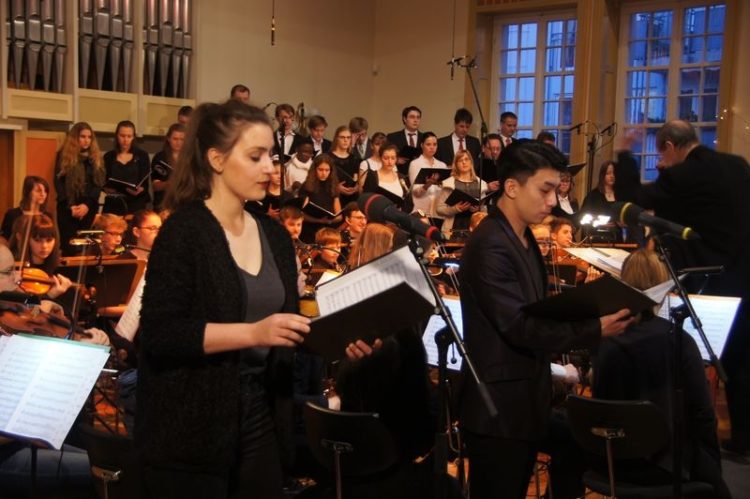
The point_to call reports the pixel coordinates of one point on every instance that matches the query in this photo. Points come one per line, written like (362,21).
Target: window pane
(525,134)
(650,172)
(528,35)
(695,21)
(639,25)
(507,107)
(637,54)
(692,49)
(713,48)
(716,18)
(662,24)
(551,113)
(571,32)
(636,86)
(509,62)
(554,57)
(688,108)
(526,89)
(657,83)
(566,112)
(507,89)
(569,58)
(528,61)
(711,80)
(635,110)
(659,54)
(690,81)
(554,33)
(510,36)
(710,108)
(569,79)
(649,145)
(708,136)
(563,141)
(552,88)
(525,114)
(657,110)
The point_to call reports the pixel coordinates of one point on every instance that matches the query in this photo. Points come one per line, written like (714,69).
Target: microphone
(455,60)
(632,214)
(577,127)
(89,232)
(133,246)
(378,208)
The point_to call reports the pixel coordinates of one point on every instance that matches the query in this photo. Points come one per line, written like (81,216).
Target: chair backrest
(113,453)
(642,426)
(367,446)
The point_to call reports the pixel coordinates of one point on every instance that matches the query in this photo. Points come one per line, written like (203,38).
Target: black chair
(624,430)
(113,463)
(352,444)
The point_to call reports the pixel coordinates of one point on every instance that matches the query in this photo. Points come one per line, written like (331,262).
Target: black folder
(457,196)
(398,201)
(378,316)
(318,211)
(348,180)
(120,185)
(427,172)
(603,296)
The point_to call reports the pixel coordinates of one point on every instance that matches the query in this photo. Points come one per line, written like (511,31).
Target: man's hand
(615,324)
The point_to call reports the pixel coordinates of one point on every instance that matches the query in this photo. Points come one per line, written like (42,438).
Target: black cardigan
(188,402)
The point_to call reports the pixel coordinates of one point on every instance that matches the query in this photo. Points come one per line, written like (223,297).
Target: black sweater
(188,402)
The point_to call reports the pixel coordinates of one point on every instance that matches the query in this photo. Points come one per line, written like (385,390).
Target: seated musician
(114,227)
(65,472)
(328,242)
(543,235)
(145,228)
(354,223)
(43,250)
(561,233)
(291,218)
(636,366)
(34,196)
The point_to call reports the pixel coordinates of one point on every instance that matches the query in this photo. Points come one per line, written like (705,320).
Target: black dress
(161,169)
(89,195)
(347,170)
(133,172)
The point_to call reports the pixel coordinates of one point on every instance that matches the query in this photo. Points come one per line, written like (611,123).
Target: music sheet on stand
(44,383)
(368,280)
(717,315)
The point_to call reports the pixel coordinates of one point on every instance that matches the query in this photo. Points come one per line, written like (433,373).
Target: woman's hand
(273,213)
(348,191)
(135,192)
(615,324)
(98,337)
(463,206)
(282,330)
(79,210)
(60,285)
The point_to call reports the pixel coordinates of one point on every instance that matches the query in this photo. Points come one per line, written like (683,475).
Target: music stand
(115,279)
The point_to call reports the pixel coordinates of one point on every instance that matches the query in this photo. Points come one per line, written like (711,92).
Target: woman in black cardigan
(220,297)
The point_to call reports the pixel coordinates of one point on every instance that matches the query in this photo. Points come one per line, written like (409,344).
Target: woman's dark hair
(523,158)
(124,124)
(167,149)
(387,146)
(42,227)
(29,183)
(330,185)
(603,173)
(212,126)
(426,136)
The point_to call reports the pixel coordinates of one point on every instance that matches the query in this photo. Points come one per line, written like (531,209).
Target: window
(535,77)
(672,71)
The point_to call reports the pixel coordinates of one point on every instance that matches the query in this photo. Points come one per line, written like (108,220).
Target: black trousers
(256,473)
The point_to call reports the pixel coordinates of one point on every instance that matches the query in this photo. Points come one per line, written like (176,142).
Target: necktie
(460,144)
(507,141)
(411,140)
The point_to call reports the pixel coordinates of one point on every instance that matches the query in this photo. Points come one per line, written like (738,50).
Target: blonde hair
(459,155)
(476,219)
(644,269)
(376,240)
(106,221)
(71,159)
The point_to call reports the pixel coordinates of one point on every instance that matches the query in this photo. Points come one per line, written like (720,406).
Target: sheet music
(607,259)
(44,383)
(717,315)
(130,320)
(659,292)
(375,277)
(435,324)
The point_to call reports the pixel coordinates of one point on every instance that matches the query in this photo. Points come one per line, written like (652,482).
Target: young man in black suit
(489,166)
(317,126)
(501,271)
(707,191)
(508,127)
(285,138)
(361,147)
(459,139)
(408,139)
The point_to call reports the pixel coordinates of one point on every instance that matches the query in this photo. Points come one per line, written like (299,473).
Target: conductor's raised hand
(617,323)
(282,330)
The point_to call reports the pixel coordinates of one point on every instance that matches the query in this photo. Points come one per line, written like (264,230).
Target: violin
(30,319)
(562,257)
(37,282)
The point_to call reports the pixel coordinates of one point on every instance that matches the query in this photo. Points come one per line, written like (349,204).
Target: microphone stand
(483,130)
(443,339)
(678,315)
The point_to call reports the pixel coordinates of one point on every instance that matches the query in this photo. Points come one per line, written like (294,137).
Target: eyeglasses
(113,234)
(358,217)
(154,228)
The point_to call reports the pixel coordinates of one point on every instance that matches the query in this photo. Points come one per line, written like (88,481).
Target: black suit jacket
(404,151)
(278,149)
(326,145)
(502,142)
(510,348)
(445,151)
(355,151)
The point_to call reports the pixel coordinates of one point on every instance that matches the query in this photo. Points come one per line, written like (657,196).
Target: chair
(623,430)
(113,462)
(352,444)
